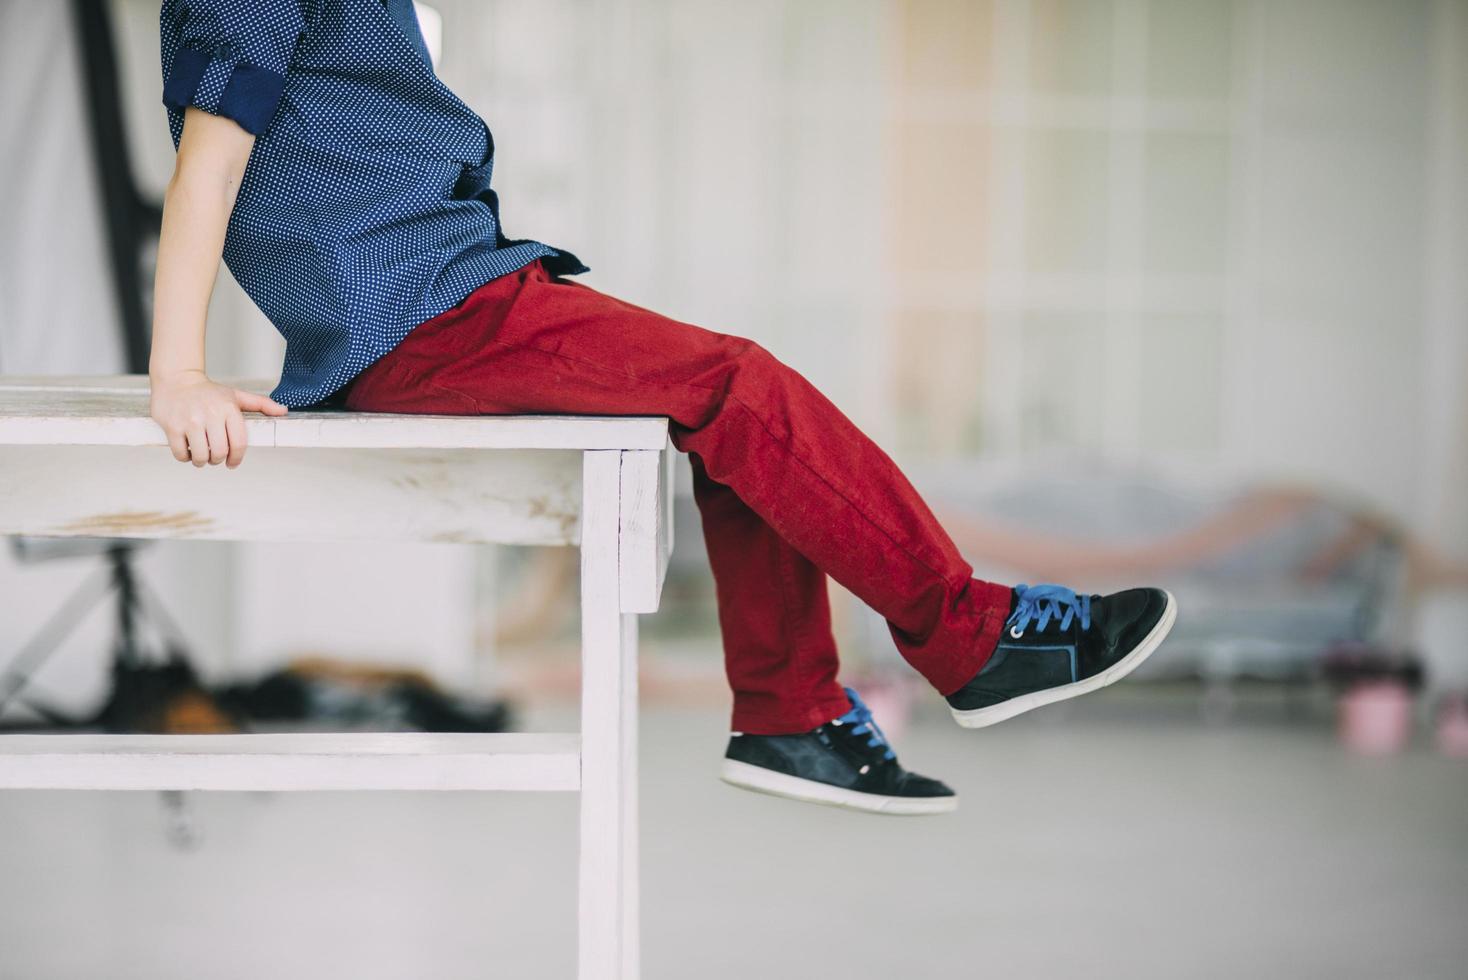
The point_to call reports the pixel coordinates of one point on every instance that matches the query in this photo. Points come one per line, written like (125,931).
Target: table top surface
(113,411)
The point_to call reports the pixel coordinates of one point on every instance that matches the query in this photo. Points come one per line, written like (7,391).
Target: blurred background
(1135,290)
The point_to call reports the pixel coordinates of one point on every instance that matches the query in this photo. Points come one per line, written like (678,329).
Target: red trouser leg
(788,487)
(774,614)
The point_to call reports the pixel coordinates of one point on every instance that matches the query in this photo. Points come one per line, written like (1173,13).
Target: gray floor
(1120,838)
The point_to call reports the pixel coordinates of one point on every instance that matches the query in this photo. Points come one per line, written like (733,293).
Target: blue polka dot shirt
(365,208)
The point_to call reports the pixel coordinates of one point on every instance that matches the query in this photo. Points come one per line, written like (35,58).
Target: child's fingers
(198,445)
(234,428)
(251,402)
(218,442)
(178,444)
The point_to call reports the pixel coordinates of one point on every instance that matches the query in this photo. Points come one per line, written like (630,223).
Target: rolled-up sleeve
(231,57)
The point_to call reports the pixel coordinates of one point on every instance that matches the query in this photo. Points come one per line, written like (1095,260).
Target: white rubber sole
(762,780)
(994,714)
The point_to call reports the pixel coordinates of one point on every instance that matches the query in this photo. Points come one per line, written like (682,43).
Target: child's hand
(202,419)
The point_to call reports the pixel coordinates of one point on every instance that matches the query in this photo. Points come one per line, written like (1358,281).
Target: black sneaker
(1059,645)
(845,762)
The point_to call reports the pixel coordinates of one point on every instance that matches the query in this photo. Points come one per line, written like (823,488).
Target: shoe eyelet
(1016,632)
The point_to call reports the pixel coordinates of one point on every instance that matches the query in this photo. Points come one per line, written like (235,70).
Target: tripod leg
(150,607)
(128,654)
(35,653)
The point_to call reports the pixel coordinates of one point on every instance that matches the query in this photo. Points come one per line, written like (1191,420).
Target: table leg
(608,869)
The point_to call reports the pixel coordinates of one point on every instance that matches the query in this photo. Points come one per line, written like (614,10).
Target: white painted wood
(645,537)
(383,431)
(81,457)
(631,820)
(354,761)
(505,496)
(114,411)
(670,488)
(608,933)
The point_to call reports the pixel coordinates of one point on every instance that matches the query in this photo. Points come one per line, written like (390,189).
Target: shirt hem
(331,395)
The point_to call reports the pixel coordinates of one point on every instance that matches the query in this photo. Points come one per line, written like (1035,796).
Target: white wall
(1328,340)
(1443,502)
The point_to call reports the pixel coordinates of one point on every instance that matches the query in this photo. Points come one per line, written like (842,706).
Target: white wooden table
(79,456)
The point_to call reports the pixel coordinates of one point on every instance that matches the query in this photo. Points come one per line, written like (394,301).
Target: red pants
(788,488)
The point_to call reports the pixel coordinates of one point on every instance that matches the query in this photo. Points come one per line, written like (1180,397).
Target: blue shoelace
(861,716)
(1042,603)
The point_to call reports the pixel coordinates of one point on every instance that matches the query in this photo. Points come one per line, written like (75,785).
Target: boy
(349,192)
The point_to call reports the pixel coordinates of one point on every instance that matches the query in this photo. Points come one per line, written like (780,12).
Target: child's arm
(202,419)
